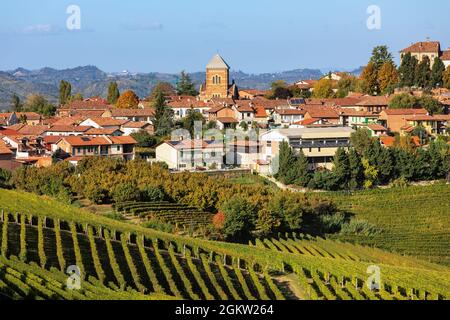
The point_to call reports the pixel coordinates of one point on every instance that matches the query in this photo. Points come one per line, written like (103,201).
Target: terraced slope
(415,220)
(123,256)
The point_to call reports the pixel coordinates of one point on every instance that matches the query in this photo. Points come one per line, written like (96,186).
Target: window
(216,79)
(118,148)
(269,144)
(213,154)
(319,149)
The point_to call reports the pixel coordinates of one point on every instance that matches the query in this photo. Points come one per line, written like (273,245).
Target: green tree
(347,84)
(190,119)
(16,104)
(113,93)
(37,103)
(356,170)
(163,118)
(407,71)
(403,101)
(301,168)
(341,169)
(286,162)
(65,91)
(144,139)
(423,74)
(360,140)
(437,73)
(380,56)
(432,105)
(185,86)
(239,219)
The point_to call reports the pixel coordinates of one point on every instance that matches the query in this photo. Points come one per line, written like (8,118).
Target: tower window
(217,79)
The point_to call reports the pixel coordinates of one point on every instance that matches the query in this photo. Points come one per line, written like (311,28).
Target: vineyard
(179,215)
(40,238)
(415,220)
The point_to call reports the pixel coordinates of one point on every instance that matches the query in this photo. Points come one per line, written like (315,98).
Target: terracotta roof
(322,112)
(343,102)
(62,128)
(98,141)
(88,104)
(356,113)
(227,120)
(428,46)
(195,144)
(373,101)
(387,141)
(8,132)
(260,112)
(33,130)
(101,131)
(69,121)
(269,104)
(307,122)
(420,117)
(29,115)
(145,112)
(399,112)
(51,139)
(3,148)
(136,124)
(87,113)
(446,55)
(289,112)
(376,127)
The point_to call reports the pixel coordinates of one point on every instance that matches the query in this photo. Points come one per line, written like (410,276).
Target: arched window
(216,79)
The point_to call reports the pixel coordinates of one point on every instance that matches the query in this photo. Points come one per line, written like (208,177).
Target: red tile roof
(3,148)
(98,141)
(399,112)
(88,104)
(195,144)
(308,122)
(63,128)
(446,55)
(376,127)
(227,120)
(420,47)
(373,101)
(420,117)
(101,131)
(322,112)
(290,112)
(108,121)
(145,112)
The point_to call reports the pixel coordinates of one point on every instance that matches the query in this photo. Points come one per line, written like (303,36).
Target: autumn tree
(166,88)
(323,89)
(437,73)
(39,104)
(185,86)
(348,83)
(369,77)
(113,93)
(128,100)
(446,78)
(387,77)
(65,91)
(403,101)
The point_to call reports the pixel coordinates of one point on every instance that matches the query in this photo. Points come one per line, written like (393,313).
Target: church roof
(217,62)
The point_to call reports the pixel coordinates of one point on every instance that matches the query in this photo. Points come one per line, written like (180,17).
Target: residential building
(137,115)
(104,123)
(286,117)
(6,157)
(62,130)
(434,125)
(190,154)
(318,144)
(395,119)
(373,103)
(133,127)
(104,146)
(420,50)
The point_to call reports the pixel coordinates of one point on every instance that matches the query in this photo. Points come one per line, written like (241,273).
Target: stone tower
(217,78)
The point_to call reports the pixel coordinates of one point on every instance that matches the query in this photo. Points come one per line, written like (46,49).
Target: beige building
(430,49)
(318,144)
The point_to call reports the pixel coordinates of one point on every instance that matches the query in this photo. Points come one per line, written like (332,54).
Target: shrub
(5,176)
(96,194)
(158,225)
(125,192)
(152,194)
(239,219)
(360,227)
(332,223)
(401,182)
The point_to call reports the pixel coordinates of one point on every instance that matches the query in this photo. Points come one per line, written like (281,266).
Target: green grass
(434,280)
(415,220)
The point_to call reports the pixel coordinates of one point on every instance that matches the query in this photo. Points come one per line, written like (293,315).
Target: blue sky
(171,35)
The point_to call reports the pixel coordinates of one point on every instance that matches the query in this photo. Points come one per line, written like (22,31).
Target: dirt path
(294,286)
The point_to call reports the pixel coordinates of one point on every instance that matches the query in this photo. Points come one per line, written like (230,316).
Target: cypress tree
(341,169)
(437,73)
(423,74)
(185,86)
(407,71)
(65,90)
(163,115)
(356,170)
(113,93)
(301,168)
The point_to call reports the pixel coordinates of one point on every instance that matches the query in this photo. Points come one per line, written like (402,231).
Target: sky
(254,36)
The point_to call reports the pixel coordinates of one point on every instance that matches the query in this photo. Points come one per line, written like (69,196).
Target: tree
(239,219)
(76,97)
(446,78)
(370,173)
(360,140)
(243,125)
(185,86)
(301,167)
(125,192)
(407,70)
(144,139)
(16,104)
(289,209)
(403,101)
(128,100)
(113,93)
(380,56)
(387,77)
(65,91)
(423,74)
(37,103)
(437,73)
(341,169)
(432,105)
(162,119)
(369,77)
(323,89)
(356,170)
(348,83)
(167,88)
(286,161)
(191,118)
(279,90)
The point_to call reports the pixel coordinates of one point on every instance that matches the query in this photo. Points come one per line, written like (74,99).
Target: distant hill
(91,81)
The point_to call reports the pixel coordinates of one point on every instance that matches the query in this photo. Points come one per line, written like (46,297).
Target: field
(415,220)
(131,260)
